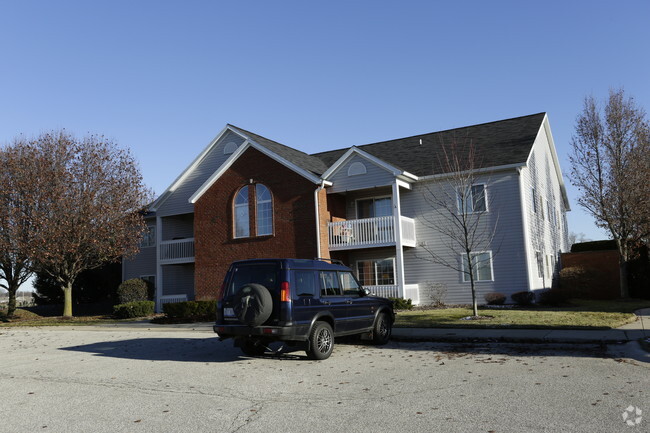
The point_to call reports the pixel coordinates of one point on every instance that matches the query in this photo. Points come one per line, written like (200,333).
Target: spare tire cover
(252,304)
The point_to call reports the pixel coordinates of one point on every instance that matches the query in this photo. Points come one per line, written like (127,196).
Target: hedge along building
(246,196)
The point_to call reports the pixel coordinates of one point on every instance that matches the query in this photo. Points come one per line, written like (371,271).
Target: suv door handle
(349,301)
(326,302)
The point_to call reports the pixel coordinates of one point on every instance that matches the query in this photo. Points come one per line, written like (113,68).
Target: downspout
(316,207)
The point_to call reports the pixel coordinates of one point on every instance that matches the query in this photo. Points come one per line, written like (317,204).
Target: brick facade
(294,221)
(604,264)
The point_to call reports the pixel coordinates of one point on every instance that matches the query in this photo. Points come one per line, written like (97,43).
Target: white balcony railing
(369,232)
(177,251)
(384,291)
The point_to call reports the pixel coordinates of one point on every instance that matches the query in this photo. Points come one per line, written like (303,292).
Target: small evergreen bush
(132,310)
(554,297)
(495,298)
(401,303)
(190,309)
(523,298)
(132,290)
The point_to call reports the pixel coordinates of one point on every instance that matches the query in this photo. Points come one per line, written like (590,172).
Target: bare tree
(576,238)
(88,196)
(610,161)
(17,207)
(459,203)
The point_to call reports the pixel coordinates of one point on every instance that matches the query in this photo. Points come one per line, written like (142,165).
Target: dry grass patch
(580,315)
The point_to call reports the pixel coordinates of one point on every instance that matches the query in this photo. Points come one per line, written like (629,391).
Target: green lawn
(582,315)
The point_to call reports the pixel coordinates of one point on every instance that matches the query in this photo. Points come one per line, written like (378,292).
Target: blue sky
(163,78)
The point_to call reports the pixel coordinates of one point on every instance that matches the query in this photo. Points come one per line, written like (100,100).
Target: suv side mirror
(365,292)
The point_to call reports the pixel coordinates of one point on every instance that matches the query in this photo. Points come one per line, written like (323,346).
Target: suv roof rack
(333,261)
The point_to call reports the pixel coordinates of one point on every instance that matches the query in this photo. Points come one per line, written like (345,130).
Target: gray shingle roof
(301,159)
(498,143)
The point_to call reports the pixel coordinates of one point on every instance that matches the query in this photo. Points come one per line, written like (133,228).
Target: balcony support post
(399,251)
(159,273)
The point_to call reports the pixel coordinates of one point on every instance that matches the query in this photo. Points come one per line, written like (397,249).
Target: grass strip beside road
(581,315)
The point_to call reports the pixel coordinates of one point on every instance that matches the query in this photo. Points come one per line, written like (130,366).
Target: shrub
(523,298)
(131,310)
(190,309)
(578,280)
(554,297)
(495,298)
(401,303)
(132,290)
(436,292)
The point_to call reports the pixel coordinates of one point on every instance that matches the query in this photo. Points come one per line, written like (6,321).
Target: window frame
(150,236)
(374,199)
(257,210)
(459,206)
(245,206)
(465,276)
(375,271)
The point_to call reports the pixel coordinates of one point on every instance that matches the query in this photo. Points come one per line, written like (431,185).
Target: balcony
(369,233)
(177,251)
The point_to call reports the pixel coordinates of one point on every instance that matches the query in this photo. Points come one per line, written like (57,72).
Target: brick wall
(602,264)
(294,233)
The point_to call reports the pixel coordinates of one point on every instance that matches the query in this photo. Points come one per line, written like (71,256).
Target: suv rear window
(260,273)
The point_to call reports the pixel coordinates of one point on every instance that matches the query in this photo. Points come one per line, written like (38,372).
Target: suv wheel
(251,347)
(382,330)
(321,341)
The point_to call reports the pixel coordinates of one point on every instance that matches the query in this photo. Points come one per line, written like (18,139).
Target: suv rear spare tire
(252,304)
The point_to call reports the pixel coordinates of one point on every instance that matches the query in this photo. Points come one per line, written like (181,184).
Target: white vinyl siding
(375,176)
(177,201)
(508,252)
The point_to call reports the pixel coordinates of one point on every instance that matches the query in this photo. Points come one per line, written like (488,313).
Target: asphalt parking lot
(108,380)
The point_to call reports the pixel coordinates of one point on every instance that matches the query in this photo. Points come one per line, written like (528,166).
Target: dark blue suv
(301,302)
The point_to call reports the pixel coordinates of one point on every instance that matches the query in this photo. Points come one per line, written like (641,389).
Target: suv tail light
(284,292)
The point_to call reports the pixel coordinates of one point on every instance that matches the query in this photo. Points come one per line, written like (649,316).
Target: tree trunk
(622,266)
(11,306)
(67,303)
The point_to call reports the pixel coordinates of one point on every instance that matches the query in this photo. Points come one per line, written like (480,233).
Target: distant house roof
(499,143)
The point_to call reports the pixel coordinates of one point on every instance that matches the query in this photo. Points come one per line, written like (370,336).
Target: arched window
(242,229)
(264,205)
(229,148)
(357,168)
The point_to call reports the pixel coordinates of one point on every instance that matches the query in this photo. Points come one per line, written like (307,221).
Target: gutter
(316,208)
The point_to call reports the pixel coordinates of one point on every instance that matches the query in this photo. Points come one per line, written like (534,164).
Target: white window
(242,223)
(264,205)
(481,266)
(541,207)
(149,237)
(540,264)
(376,272)
(357,168)
(472,199)
(534,201)
(550,266)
